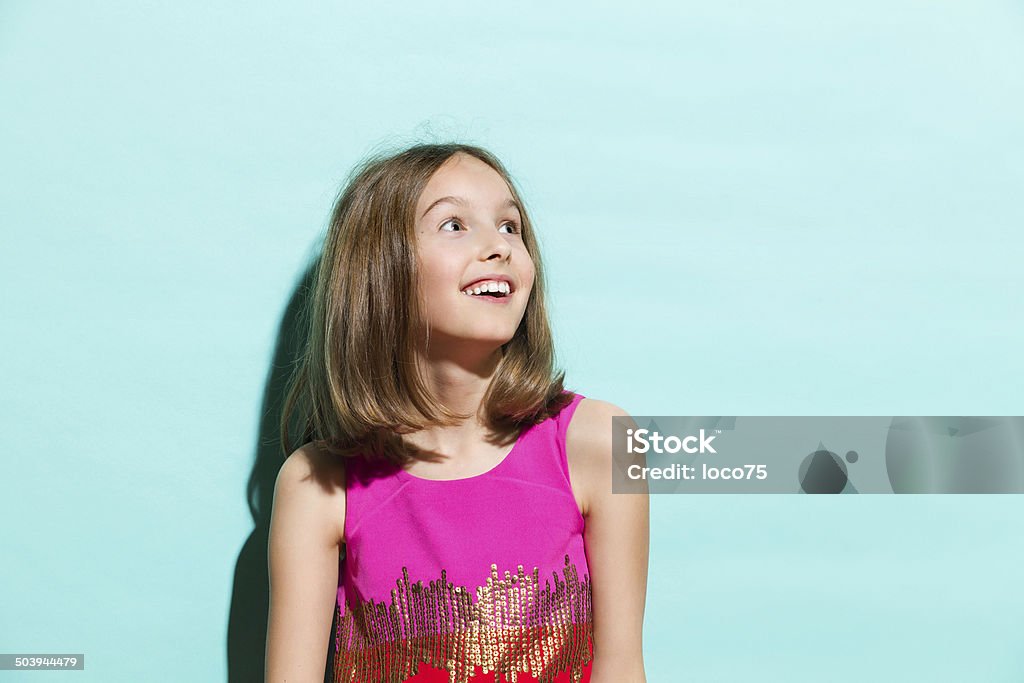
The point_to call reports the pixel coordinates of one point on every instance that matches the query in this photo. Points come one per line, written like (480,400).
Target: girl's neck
(459,381)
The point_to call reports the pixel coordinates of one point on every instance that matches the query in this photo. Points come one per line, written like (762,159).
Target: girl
(470,493)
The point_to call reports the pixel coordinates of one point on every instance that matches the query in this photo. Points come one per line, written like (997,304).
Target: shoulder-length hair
(358,377)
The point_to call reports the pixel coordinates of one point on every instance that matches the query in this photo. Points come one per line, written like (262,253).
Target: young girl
(470,493)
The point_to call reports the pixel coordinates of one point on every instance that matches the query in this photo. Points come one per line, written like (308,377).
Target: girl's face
(468,239)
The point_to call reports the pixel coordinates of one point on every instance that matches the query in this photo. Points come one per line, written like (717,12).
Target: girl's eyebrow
(460,201)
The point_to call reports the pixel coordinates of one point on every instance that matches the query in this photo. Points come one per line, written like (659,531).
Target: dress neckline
(502,463)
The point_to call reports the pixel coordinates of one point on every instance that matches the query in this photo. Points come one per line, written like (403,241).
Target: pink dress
(467,580)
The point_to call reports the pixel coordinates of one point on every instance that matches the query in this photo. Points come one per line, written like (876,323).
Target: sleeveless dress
(468,580)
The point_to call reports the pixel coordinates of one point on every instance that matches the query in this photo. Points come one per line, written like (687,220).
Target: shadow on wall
(250,595)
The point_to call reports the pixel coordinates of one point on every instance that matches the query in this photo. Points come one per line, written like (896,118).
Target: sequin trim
(514,626)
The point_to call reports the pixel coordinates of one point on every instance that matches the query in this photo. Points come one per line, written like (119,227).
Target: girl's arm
(617,541)
(306,529)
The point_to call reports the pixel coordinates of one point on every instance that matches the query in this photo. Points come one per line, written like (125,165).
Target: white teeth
(491,286)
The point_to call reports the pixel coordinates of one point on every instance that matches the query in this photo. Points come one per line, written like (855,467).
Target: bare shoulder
(588,446)
(313,482)
(593,412)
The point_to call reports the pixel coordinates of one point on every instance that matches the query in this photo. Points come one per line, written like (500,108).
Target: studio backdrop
(746,209)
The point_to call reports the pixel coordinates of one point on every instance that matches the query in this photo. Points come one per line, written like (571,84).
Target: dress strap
(563,420)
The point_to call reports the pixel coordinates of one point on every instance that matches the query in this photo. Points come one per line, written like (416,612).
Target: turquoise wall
(792,208)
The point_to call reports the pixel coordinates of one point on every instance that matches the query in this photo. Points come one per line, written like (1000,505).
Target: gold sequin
(514,626)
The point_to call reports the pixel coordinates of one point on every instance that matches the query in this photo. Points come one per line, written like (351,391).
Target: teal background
(746,209)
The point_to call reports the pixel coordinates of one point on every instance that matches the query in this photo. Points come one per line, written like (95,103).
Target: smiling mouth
(489,290)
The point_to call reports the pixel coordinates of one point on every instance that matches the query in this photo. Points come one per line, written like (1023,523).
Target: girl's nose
(496,245)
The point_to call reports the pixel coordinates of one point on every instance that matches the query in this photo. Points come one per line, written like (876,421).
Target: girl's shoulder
(590,416)
(588,448)
(313,482)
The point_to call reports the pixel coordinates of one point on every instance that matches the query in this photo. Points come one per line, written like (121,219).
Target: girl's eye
(513,226)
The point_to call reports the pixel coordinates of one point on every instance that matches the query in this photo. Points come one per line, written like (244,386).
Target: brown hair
(358,375)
